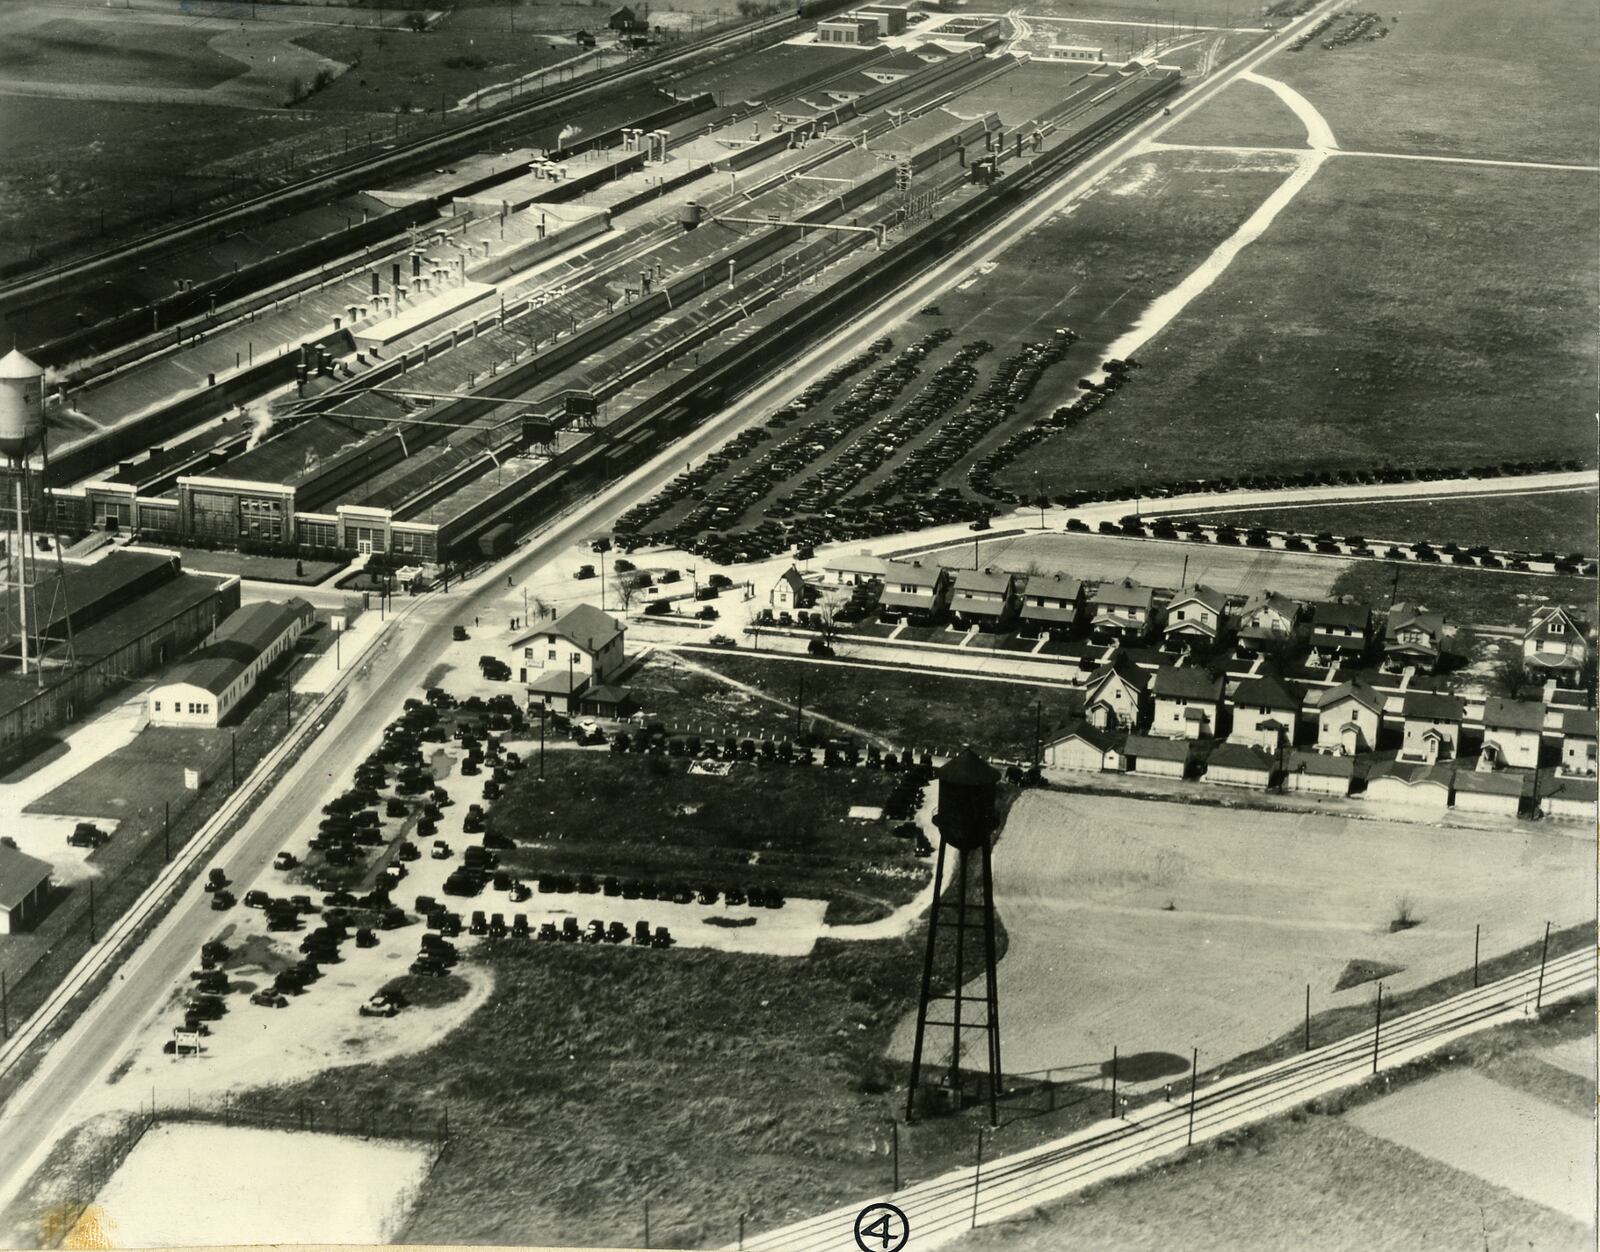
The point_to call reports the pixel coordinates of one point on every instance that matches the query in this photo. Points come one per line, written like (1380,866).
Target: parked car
(267,998)
(222,900)
(285,860)
(722,641)
(459,634)
(87,835)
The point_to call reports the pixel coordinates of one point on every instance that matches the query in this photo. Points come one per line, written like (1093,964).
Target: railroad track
(17,292)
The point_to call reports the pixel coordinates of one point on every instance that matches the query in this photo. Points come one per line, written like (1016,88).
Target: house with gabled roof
(1340,631)
(1432,727)
(1349,718)
(790,592)
(854,570)
(1187,698)
(1121,610)
(1512,732)
(561,660)
(1239,765)
(1265,712)
(1083,747)
(1156,754)
(1114,696)
(984,597)
(1318,773)
(1195,616)
(1556,645)
(1053,602)
(1578,743)
(1413,638)
(913,590)
(1267,621)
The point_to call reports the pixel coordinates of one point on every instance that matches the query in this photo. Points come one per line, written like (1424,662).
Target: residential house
(209,684)
(854,571)
(1196,616)
(914,590)
(560,661)
(1114,696)
(1512,732)
(1166,758)
(1340,631)
(1239,765)
(1318,773)
(1349,718)
(583,39)
(1187,698)
(1578,743)
(626,22)
(790,592)
(1267,621)
(1053,602)
(1413,638)
(1265,711)
(1120,610)
(1570,800)
(1489,791)
(1411,785)
(24,888)
(986,598)
(1084,748)
(1432,727)
(1556,646)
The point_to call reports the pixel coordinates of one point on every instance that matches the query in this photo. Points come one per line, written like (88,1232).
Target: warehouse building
(207,687)
(24,888)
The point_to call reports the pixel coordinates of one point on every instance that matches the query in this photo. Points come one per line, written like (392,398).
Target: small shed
(1410,787)
(1084,748)
(1570,800)
(1153,754)
(24,887)
(1238,765)
(1490,791)
(1319,773)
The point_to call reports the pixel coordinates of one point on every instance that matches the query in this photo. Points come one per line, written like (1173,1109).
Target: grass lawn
(1476,597)
(1311,1180)
(1551,521)
(1365,328)
(275,569)
(648,817)
(903,707)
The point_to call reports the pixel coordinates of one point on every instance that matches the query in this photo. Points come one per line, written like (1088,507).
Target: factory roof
(237,644)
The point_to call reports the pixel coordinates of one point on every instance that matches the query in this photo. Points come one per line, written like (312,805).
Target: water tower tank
(21,404)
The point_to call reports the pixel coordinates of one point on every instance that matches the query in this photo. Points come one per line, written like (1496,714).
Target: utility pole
(1377,1027)
(1038,732)
(1194,1083)
(166,824)
(1308,1017)
(233,755)
(799,703)
(1113,1080)
(894,1144)
(977,1176)
(1477,932)
(92,936)
(1538,999)
(5,1023)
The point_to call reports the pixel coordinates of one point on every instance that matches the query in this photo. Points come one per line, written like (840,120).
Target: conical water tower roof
(967,769)
(15,365)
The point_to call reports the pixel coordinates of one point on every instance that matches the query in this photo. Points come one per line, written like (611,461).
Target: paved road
(944,1208)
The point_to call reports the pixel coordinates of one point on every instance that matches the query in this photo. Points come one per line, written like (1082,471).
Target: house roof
(1120,666)
(1433,706)
(1266,692)
(1492,782)
(793,578)
(1355,690)
(1155,748)
(1268,600)
(606,695)
(997,582)
(243,636)
(1083,730)
(1576,789)
(1402,615)
(1239,756)
(1056,586)
(1186,682)
(1048,613)
(1545,614)
(1578,724)
(1201,594)
(860,563)
(1324,763)
(1334,613)
(1412,773)
(583,624)
(912,574)
(1499,712)
(19,875)
(1125,594)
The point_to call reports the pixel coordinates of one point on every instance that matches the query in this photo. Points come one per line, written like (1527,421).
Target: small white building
(24,888)
(1490,791)
(1113,698)
(1578,742)
(1239,765)
(208,685)
(854,570)
(1265,713)
(1433,727)
(1187,698)
(1349,717)
(1319,773)
(1512,732)
(1084,748)
(1410,787)
(789,592)
(1153,754)
(1570,800)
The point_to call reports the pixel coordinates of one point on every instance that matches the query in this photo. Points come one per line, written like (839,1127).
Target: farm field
(1317,1180)
(1155,928)
(1551,521)
(1371,354)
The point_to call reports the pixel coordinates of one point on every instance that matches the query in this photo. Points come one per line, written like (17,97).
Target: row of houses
(1413,637)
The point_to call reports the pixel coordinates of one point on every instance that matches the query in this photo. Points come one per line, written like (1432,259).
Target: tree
(629,584)
(1512,674)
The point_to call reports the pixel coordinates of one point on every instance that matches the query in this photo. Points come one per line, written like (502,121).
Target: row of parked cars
(981,474)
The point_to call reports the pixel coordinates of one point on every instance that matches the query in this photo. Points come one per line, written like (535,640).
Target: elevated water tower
(21,435)
(966,819)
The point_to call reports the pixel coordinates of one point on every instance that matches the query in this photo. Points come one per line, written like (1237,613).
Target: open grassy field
(1478,597)
(1367,326)
(1314,1181)
(648,817)
(903,707)
(1155,927)
(1551,521)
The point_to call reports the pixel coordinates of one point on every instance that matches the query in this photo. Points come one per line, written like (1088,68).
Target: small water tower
(966,819)
(21,435)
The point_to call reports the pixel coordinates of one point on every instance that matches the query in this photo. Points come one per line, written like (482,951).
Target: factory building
(207,687)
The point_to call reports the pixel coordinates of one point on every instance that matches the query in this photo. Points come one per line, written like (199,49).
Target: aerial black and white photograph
(799,626)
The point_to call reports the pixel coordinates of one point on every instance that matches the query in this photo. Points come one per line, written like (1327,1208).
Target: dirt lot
(1260,905)
(1549,521)
(1479,597)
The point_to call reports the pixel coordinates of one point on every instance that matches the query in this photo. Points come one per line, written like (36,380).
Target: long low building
(24,889)
(208,686)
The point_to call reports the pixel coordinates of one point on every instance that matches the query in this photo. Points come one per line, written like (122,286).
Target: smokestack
(376,281)
(396,273)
